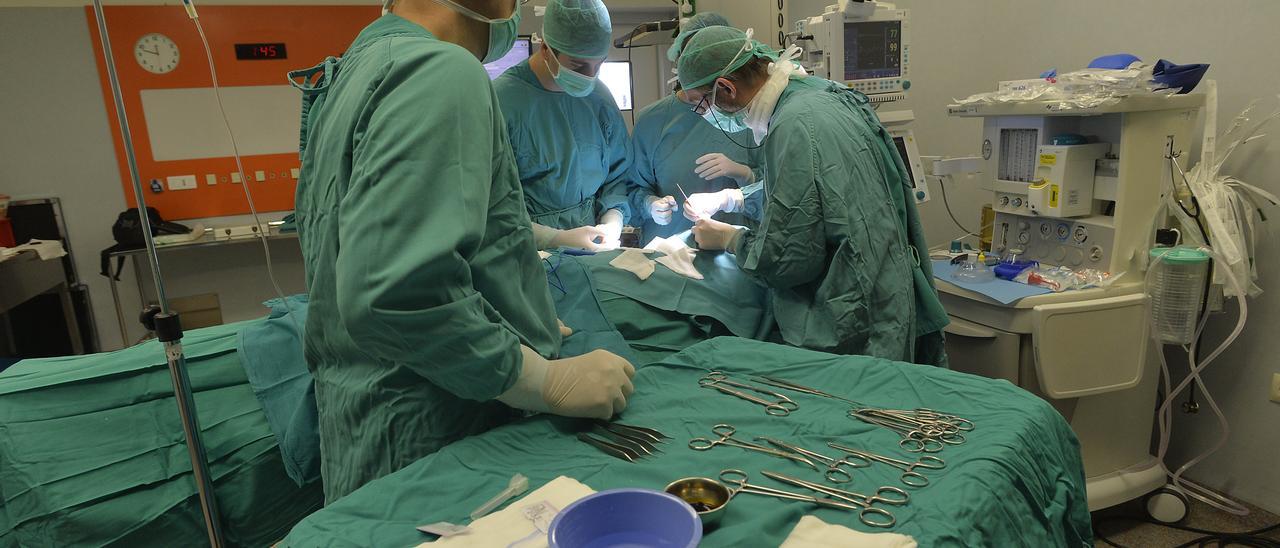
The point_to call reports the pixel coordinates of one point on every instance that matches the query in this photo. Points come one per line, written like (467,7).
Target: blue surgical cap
(578,28)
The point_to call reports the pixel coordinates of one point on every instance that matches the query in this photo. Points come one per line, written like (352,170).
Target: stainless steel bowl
(708,497)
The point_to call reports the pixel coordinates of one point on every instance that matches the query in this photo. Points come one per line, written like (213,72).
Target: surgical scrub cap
(710,52)
(694,24)
(578,28)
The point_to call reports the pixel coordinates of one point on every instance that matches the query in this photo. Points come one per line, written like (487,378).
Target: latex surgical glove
(706,204)
(590,238)
(716,165)
(661,209)
(711,234)
(594,385)
(565,330)
(611,226)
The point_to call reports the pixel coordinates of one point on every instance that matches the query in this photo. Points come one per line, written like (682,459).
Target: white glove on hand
(594,385)
(706,204)
(590,238)
(661,209)
(716,165)
(611,225)
(711,234)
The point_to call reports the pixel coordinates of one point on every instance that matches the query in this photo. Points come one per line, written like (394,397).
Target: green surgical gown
(841,242)
(667,141)
(572,152)
(420,262)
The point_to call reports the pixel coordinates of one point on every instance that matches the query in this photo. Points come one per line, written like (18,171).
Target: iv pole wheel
(1167,505)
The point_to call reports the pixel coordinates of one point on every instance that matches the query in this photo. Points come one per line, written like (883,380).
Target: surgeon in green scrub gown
(840,242)
(430,318)
(673,146)
(570,142)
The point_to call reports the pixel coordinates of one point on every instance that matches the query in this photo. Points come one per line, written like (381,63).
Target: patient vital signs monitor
(866,46)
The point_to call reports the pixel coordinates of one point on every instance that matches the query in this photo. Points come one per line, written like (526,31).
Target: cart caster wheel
(1167,505)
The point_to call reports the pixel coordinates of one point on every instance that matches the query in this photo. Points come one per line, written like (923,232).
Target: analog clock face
(156,53)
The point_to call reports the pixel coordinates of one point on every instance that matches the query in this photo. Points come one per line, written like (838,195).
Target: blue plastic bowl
(626,518)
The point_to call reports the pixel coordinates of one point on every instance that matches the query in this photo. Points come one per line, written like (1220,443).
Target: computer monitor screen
(616,75)
(872,49)
(518,53)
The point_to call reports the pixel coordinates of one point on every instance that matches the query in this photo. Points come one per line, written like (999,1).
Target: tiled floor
(1133,533)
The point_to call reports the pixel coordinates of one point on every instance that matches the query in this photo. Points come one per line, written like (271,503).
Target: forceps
(719,381)
(772,381)
(739,479)
(960,423)
(886,495)
(726,432)
(913,441)
(909,476)
(835,474)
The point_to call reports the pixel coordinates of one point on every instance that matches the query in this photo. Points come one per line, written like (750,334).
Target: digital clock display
(261,52)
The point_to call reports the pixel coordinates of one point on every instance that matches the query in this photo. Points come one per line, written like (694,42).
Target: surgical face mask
(502,32)
(727,122)
(573,83)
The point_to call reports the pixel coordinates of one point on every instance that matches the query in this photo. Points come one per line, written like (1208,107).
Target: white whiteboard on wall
(184,123)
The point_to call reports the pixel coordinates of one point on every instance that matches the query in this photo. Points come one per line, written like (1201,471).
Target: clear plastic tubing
(1176,291)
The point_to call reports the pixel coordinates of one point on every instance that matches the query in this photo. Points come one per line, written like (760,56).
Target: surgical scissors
(776,408)
(864,502)
(909,475)
(726,432)
(773,381)
(835,474)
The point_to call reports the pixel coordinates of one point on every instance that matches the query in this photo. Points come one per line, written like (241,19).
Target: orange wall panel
(310,34)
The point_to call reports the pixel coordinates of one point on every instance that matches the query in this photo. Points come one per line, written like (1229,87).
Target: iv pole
(162,319)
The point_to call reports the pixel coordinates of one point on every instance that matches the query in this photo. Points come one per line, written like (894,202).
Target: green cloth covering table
(92,451)
(1018,481)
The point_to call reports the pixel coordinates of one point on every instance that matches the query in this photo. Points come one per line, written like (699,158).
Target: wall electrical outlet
(1275,387)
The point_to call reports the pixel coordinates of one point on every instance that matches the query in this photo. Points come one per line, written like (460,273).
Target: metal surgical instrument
(719,381)
(739,479)
(835,474)
(913,440)
(909,476)
(726,432)
(608,448)
(897,497)
(717,377)
(788,385)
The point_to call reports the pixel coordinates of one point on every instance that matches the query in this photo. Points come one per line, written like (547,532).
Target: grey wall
(54,138)
(55,141)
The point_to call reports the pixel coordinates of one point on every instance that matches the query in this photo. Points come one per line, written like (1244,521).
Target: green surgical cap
(694,24)
(710,52)
(578,28)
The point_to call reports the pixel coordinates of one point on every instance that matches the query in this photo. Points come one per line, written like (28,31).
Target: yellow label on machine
(1048,159)
(1053,196)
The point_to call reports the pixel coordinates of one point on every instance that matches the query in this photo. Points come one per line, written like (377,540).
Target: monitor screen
(872,49)
(518,53)
(616,75)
